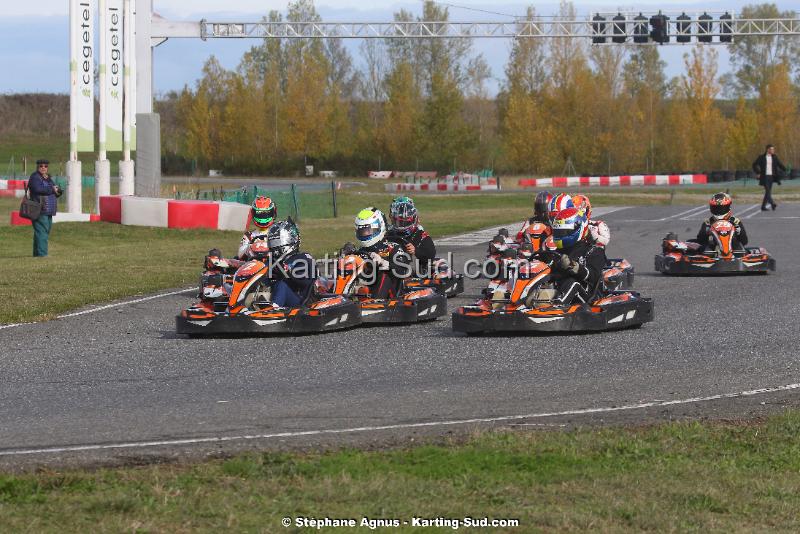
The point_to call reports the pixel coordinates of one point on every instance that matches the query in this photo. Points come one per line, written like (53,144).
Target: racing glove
(565,263)
(380,263)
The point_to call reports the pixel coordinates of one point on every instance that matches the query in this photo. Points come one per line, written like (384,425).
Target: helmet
(720,205)
(370,226)
(569,227)
(403,214)
(582,203)
(558,203)
(283,238)
(264,212)
(541,204)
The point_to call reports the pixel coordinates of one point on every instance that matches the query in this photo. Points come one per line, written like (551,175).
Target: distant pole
(333,197)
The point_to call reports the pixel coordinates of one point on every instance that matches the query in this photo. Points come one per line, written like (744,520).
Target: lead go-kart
(524,301)
(235,298)
(721,258)
(408,304)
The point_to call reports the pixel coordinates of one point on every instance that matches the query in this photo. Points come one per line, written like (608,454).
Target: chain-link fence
(293,202)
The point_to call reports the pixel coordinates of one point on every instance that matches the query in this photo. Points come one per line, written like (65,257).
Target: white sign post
(126,181)
(81,16)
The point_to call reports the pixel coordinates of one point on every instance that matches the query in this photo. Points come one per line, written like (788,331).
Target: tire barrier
(590,181)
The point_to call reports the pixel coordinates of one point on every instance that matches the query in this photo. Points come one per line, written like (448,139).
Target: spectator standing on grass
(768,166)
(42,188)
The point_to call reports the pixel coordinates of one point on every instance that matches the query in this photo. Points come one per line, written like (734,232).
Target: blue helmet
(403,214)
(569,227)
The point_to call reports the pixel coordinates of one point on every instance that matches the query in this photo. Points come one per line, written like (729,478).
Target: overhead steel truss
(545,28)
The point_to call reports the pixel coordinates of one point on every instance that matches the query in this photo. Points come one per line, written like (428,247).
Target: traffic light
(598,29)
(684,28)
(705,28)
(640,29)
(725,28)
(659,31)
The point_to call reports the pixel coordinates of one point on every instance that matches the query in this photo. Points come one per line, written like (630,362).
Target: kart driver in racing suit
(263,213)
(389,258)
(599,233)
(292,272)
(720,205)
(405,224)
(540,208)
(580,266)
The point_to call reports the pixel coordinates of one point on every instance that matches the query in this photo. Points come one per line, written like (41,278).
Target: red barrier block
(94,217)
(527,182)
(111,209)
(650,179)
(17,184)
(192,214)
(699,179)
(8,193)
(16,220)
(624,180)
(674,179)
(560,181)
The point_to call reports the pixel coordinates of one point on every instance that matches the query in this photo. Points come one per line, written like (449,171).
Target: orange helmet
(720,205)
(264,212)
(582,203)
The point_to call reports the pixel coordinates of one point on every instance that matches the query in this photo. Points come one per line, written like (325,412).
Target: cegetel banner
(82,70)
(113,16)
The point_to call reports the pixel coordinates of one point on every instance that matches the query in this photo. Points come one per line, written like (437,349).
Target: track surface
(123,376)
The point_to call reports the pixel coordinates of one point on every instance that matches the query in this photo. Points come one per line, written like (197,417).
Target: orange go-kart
(723,257)
(408,305)
(235,299)
(523,301)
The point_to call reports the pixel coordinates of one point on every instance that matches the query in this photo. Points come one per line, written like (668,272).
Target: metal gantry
(545,28)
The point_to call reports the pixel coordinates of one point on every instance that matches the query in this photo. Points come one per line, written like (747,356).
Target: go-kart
(691,258)
(437,275)
(239,302)
(408,305)
(524,301)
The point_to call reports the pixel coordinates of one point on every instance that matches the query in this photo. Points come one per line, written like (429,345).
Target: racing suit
(293,278)
(540,218)
(247,239)
(578,272)
(739,238)
(599,233)
(393,264)
(424,248)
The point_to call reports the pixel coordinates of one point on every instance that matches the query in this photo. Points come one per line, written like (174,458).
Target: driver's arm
(426,249)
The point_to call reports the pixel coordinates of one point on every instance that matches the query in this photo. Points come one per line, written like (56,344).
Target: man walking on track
(767,166)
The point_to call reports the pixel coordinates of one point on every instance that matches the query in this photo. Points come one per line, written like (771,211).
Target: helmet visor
(364,232)
(719,210)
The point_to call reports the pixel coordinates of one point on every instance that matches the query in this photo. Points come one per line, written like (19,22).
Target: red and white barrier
(16,220)
(12,188)
(167,213)
(638,179)
(439,187)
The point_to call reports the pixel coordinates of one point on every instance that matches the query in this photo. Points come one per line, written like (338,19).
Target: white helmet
(370,226)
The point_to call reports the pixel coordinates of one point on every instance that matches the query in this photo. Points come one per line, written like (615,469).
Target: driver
(405,224)
(720,205)
(388,257)
(292,272)
(540,208)
(263,213)
(580,267)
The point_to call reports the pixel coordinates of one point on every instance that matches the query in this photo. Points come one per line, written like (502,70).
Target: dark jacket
(40,186)
(591,261)
(424,247)
(299,271)
(760,167)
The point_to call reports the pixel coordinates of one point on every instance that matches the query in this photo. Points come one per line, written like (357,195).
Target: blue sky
(34,51)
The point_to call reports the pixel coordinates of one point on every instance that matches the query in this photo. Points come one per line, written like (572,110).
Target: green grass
(670,477)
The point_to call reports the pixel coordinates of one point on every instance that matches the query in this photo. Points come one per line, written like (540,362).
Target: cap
(42,162)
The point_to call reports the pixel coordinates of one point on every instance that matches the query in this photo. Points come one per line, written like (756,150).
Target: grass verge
(675,476)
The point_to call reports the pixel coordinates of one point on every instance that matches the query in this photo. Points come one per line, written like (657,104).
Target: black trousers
(767,192)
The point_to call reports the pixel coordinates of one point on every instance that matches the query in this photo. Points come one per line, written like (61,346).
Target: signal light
(640,29)
(725,27)
(660,31)
(704,27)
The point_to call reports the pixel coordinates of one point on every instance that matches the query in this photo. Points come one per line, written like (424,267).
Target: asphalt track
(118,385)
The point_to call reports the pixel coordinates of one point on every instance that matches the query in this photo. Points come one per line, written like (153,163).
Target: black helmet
(541,204)
(283,238)
(720,205)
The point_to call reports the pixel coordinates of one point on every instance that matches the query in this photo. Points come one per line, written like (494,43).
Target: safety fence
(295,202)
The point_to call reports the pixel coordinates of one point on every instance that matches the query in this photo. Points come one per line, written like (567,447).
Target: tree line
(425,104)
